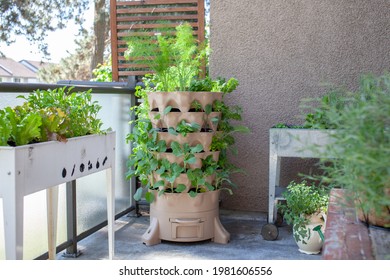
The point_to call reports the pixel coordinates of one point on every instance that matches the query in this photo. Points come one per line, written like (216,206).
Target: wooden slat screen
(143,18)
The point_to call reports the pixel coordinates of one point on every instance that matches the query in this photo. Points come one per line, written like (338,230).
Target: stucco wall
(282,51)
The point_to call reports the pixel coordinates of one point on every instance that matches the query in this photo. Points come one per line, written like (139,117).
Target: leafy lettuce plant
(23,126)
(50,115)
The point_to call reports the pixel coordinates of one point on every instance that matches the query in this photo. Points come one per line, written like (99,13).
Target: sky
(59,42)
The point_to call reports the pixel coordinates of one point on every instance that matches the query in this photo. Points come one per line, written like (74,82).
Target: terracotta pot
(313,243)
(373,217)
(381,219)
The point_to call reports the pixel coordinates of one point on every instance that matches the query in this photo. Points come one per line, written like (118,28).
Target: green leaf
(193,194)
(208,109)
(159,184)
(191,159)
(195,126)
(5,130)
(172,131)
(197,149)
(149,197)
(138,194)
(28,129)
(241,129)
(209,186)
(214,120)
(129,174)
(167,110)
(176,149)
(180,188)
(161,170)
(162,146)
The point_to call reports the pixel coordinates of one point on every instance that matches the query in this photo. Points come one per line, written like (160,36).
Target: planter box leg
(52,214)
(110,211)
(274,180)
(13,209)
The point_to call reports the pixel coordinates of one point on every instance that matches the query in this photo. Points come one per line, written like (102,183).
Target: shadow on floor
(246,242)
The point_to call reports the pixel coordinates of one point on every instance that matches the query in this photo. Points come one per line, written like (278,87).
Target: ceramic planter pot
(313,243)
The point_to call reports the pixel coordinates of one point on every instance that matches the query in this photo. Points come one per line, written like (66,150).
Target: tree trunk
(100,31)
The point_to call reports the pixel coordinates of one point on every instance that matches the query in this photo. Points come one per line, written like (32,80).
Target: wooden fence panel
(143,18)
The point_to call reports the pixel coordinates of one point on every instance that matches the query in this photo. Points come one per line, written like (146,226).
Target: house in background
(24,71)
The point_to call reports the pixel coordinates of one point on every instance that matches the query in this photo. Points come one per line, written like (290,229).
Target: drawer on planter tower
(187,228)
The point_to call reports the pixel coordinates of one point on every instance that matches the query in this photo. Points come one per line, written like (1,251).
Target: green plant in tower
(186,152)
(217,85)
(176,67)
(174,59)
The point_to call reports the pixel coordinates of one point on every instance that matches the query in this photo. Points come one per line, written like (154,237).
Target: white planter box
(289,142)
(43,166)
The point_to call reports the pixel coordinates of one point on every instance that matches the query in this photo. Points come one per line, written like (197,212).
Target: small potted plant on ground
(305,209)
(180,140)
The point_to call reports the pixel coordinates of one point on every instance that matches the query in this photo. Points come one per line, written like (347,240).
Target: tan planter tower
(177,216)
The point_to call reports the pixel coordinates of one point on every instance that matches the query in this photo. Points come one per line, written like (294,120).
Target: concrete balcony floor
(246,242)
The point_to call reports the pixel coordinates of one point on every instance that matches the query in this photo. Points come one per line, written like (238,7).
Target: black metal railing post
(71,218)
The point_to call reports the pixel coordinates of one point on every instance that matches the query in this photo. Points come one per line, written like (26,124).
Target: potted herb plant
(179,155)
(54,137)
(305,209)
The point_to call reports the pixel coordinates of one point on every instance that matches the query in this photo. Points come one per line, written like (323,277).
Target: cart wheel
(270,232)
(279,219)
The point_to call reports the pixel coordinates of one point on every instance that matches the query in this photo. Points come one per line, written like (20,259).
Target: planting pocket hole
(64,172)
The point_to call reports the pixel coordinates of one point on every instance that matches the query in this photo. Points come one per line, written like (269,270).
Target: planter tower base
(180,218)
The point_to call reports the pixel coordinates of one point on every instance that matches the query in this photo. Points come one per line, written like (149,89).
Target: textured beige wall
(282,51)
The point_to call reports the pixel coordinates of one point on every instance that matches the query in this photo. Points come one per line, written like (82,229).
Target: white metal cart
(289,142)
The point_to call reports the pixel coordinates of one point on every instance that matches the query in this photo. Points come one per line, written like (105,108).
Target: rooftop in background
(24,71)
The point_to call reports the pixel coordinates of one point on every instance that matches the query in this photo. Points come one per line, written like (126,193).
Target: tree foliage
(76,66)
(34,19)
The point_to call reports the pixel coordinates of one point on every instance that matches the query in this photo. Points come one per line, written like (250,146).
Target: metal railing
(116,98)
